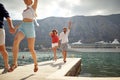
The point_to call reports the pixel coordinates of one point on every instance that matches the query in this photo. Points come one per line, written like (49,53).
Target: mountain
(88,29)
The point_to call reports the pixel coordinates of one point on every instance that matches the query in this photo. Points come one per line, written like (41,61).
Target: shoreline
(95,49)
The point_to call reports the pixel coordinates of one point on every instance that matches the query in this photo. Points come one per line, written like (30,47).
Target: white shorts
(2,36)
(54,45)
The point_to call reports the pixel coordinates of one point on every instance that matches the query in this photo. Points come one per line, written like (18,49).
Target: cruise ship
(100,44)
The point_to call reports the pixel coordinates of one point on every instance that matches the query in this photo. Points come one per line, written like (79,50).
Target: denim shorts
(28,29)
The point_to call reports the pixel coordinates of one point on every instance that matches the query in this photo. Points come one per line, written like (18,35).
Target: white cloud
(65,8)
(97,12)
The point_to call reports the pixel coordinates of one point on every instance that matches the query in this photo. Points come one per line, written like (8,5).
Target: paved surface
(26,72)
(49,70)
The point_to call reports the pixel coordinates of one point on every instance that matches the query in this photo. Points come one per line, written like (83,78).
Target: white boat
(115,41)
(79,42)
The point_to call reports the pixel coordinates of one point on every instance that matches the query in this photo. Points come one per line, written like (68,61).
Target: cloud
(14,7)
(65,8)
(104,7)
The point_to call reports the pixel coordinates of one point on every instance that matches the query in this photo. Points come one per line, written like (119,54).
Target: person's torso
(29,13)
(3,13)
(64,37)
(55,38)
(1,20)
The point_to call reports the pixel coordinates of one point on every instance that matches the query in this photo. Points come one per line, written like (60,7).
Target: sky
(64,8)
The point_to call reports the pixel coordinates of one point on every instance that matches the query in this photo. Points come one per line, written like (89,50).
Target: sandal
(12,68)
(35,68)
(5,71)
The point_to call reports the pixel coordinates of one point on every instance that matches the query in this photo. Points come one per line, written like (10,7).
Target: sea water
(94,64)
(25,58)
(99,64)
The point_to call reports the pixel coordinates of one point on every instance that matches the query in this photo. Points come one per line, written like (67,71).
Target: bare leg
(65,56)
(54,51)
(31,42)
(5,56)
(64,53)
(18,38)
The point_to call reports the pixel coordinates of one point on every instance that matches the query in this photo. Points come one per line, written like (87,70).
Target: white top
(29,13)
(64,37)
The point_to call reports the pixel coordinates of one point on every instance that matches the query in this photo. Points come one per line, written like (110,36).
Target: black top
(3,13)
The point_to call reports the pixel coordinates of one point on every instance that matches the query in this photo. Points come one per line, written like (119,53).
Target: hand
(50,33)
(12,30)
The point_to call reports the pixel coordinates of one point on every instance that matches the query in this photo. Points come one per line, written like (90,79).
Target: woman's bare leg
(31,43)
(18,38)
(54,51)
(5,56)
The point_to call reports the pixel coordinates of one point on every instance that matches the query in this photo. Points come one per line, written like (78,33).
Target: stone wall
(75,70)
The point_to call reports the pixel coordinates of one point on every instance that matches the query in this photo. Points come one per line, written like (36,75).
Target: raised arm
(50,34)
(35,4)
(69,25)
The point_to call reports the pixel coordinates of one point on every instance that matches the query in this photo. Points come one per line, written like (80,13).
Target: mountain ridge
(88,29)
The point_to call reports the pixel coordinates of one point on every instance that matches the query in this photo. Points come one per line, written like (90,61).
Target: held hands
(13,29)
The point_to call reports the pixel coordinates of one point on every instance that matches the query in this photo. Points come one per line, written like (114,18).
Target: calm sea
(94,64)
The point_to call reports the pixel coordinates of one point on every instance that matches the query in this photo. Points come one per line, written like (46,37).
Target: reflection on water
(94,64)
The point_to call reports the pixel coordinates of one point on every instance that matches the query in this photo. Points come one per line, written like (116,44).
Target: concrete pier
(45,70)
(51,70)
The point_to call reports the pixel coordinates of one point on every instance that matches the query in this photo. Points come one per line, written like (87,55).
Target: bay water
(94,64)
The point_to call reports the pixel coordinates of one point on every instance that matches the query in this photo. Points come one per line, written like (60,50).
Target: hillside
(89,29)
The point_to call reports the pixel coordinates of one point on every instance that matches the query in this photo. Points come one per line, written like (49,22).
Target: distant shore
(95,49)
